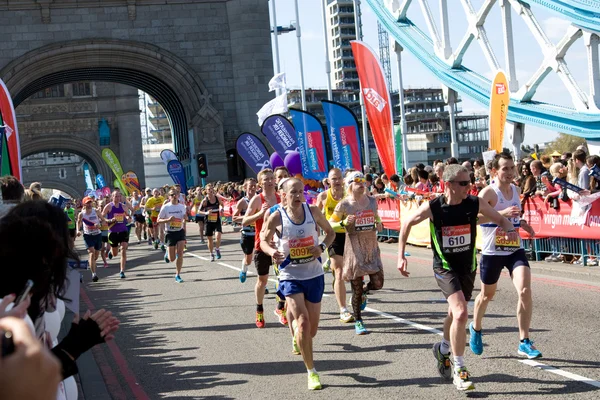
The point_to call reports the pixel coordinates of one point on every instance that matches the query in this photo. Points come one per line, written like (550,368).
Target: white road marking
(422,327)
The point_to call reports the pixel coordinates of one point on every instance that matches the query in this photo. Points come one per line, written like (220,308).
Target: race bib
(300,250)
(175,224)
(119,217)
(456,239)
(503,244)
(212,217)
(365,220)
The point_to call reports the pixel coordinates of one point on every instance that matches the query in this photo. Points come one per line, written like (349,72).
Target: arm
(254,211)
(327,228)
(266,245)
(321,198)
(78,224)
(161,216)
(496,217)
(423,213)
(237,217)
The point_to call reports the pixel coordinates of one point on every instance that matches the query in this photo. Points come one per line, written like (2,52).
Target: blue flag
(253,152)
(281,134)
(100,181)
(344,137)
(311,144)
(177,173)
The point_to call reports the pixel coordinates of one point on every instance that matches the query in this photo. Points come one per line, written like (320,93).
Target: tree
(565,143)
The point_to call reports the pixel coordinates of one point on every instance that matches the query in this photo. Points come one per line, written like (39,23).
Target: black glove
(82,337)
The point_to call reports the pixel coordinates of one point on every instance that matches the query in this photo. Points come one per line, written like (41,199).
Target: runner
(249,231)
(281,175)
(137,215)
(153,205)
(148,232)
(497,253)
(301,274)
(70,213)
(257,207)
(89,222)
(105,251)
(358,214)
(326,202)
(210,208)
(200,218)
(115,212)
(173,215)
(453,220)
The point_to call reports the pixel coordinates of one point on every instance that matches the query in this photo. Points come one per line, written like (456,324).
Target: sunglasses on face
(358,180)
(462,183)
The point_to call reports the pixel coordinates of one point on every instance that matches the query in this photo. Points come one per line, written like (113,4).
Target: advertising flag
(253,152)
(177,173)
(106,191)
(113,162)
(377,103)
(398,147)
(281,134)
(88,177)
(311,144)
(344,138)
(131,182)
(499,100)
(167,155)
(8,119)
(100,181)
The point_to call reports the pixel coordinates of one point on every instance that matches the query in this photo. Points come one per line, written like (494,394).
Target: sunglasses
(462,183)
(357,180)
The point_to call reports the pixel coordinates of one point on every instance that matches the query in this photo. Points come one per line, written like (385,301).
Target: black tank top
(453,233)
(212,217)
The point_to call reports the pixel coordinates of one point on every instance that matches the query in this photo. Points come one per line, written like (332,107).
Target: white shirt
(176,210)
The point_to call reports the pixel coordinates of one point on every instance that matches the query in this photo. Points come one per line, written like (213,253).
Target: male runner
(137,215)
(116,214)
(301,273)
(70,213)
(326,202)
(210,208)
(249,231)
(153,205)
(89,222)
(200,219)
(174,214)
(281,175)
(453,222)
(257,207)
(498,253)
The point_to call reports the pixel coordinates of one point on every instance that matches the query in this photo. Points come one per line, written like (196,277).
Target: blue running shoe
(363,304)
(178,279)
(475,340)
(167,258)
(359,328)
(122,275)
(218,254)
(163,248)
(527,349)
(242,276)
(110,256)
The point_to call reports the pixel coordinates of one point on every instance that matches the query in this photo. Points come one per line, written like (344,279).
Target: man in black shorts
(248,231)
(453,221)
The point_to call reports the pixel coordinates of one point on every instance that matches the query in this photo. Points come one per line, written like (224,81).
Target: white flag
(278,105)
(277,82)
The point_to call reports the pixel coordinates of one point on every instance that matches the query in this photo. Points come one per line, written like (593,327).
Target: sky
(527,52)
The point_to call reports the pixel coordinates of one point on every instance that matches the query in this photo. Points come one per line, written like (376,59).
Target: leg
(357,292)
(481,302)
(211,245)
(259,289)
(458,312)
(172,251)
(218,239)
(92,255)
(304,326)
(179,261)
(521,277)
(339,286)
(375,281)
(123,255)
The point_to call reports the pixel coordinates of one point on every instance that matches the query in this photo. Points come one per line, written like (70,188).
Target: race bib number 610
(454,238)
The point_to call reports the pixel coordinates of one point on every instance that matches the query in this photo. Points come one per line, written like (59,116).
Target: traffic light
(202,165)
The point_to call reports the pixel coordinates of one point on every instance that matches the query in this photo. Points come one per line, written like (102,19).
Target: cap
(354,176)
(87,199)
(555,154)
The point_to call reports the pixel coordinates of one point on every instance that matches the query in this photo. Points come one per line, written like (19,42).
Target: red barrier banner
(389,212)
(548,222)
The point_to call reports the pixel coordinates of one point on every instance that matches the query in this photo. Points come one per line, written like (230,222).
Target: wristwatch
(323,247)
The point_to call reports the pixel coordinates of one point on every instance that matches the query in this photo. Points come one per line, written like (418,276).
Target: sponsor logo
(374,98)
(500,88)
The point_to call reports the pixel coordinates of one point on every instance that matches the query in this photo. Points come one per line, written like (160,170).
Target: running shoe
(202,241)
(95,278)
(266,290)
(475,340)
(139,242)
(363,303)
(105,264)
(346,317)
(281,314)
(462,380)
(150,241)
(527,349)
(314,383)
(260,319)
(163,248)
(167,258)
(110,256)
(359,328)
(155,245)
(327,265)
(243,276)
(212,257)
(443,362)
(122,275)
(218,254)
(178,279)
(145,236)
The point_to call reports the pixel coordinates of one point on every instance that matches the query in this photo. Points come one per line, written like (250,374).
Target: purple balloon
(276,161)
(293,163)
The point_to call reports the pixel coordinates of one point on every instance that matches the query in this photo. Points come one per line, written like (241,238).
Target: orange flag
(499,100)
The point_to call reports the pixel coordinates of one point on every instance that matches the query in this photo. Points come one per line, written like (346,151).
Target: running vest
(295,243)
(329,208)
(453,231)
(494,238)
(259,222)
(136,206)
(89,222)
(249,230)
(118,213)
(71,215)
(212,218)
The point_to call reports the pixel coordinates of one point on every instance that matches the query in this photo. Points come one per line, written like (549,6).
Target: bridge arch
(167,78)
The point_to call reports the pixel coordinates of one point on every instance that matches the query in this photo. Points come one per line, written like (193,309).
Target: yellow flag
(499,99)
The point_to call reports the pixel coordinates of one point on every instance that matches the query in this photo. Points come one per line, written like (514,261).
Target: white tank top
(296,242)
(494,242)
(89,220)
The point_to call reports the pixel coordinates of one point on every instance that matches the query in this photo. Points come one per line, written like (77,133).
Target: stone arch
(156,71)
(91,152)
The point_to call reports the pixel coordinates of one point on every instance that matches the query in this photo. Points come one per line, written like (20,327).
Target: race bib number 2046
(456,239)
